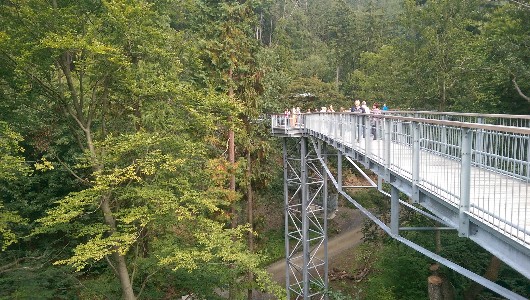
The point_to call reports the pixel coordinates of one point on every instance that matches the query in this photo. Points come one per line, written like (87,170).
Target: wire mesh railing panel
(401,148)
(506,153)
(501,182)
(440,149)
(502,203)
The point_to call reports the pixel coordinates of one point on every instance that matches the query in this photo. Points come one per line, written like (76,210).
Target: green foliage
(38,281)
(141,143)
(12,167)
(12,164)
(400,273)
(504,38)
(102,285)
(323,93)
(275,64)
(371,198)
(273,244)
(7,219)
(337,295)
(454,45)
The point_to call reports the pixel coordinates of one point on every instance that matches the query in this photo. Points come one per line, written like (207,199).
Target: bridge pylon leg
(305,201)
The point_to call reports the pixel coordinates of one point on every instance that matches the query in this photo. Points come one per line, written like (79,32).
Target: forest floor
(341,247)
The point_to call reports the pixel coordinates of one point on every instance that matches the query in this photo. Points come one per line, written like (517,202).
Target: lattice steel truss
(305,192)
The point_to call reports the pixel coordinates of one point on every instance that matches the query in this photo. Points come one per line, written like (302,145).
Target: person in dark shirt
(356,106)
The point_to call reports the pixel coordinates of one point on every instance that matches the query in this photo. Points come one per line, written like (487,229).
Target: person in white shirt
(366,109)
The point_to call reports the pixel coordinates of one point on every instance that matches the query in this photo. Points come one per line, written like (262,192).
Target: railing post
(341,127)
(335,124)
(352,129)
(319,128)
(465,183)
(415,161)
(386,147)
(367,139)
(443,137)
(400,138)
(357,127)
(528,158)
(394,210)
(329,124)
(479,143)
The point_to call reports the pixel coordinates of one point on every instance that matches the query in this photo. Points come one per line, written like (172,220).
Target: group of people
(359,107)
(293,115)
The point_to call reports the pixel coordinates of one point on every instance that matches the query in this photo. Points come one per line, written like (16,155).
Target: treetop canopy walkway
(470,171)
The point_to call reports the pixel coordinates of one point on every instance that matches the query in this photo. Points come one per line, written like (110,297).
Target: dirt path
(338,246)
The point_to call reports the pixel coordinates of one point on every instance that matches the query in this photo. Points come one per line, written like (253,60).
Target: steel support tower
(306,211)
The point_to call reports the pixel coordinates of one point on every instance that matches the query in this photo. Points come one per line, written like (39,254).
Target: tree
(114,76)
(505,36)
(434,64)
(231,48)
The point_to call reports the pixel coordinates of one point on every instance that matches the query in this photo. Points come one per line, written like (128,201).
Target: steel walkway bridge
(470,173)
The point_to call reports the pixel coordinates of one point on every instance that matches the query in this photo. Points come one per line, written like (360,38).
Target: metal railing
(491,119)
(478,166)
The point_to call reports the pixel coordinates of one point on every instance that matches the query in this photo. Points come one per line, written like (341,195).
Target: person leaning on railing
(375,120)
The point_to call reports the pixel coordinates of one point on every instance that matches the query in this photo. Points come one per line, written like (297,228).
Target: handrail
(501,116)
(484,126)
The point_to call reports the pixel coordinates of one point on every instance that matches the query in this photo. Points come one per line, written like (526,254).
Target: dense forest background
(132,161)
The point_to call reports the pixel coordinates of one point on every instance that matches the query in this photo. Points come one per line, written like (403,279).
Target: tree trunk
(435,287)
(121,264)
(270,34)
(439,288)
(232,156)
(518,89)
(77,109)
(337,75)
(250,216)
(232,161)
(492,273)
(232,185)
